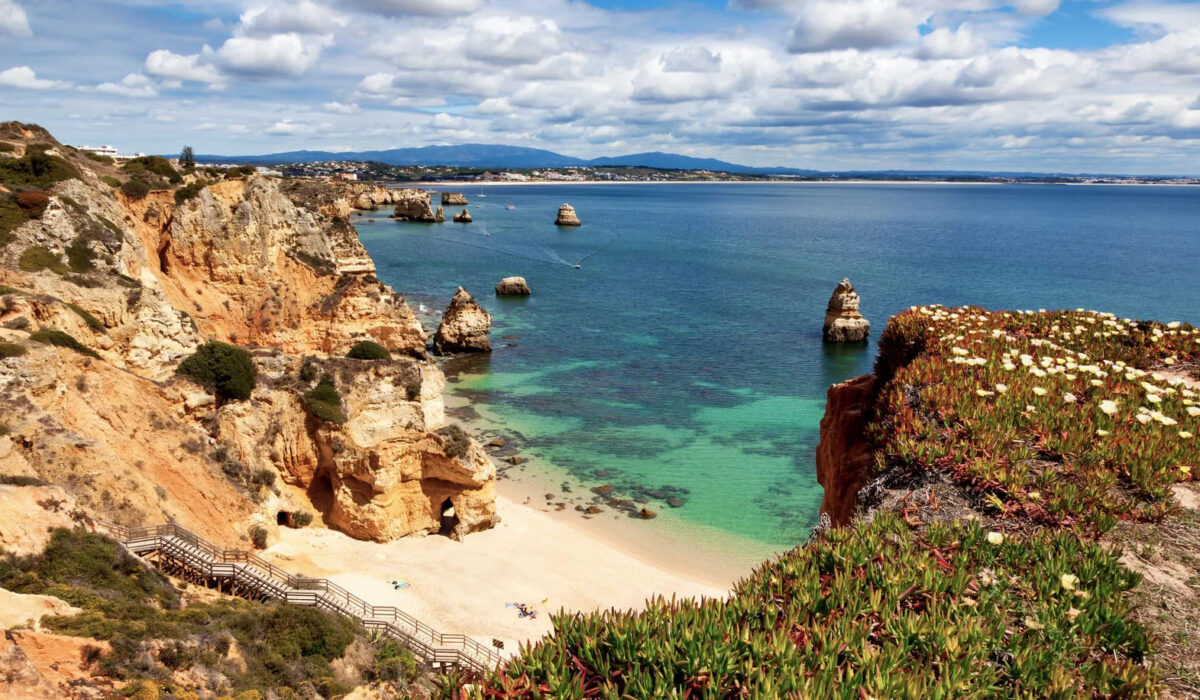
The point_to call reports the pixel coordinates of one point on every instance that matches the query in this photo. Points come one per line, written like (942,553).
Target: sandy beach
(531,557)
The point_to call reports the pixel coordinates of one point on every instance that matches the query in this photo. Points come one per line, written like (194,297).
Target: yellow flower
(1185,435)
(1068,581)
(1102,433)
(995,538)
(1153,398)
(985,392)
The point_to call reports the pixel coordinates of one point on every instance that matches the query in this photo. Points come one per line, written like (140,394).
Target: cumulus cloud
(828,25)
(1154,16)
(512,40)
(395,8)
(277,55)
(287,127)
(132,85)
(196,68)
(339,108)
(13,20)
(304,17)
(690,59)
(944,42)
(25,78)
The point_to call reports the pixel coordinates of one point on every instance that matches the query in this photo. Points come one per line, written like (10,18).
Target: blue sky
(1051,85)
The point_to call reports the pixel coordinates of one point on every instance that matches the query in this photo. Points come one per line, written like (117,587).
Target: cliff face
(844,454)
(138,284)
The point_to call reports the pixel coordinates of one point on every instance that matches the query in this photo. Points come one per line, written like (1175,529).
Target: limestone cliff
(101,296)
(413,205)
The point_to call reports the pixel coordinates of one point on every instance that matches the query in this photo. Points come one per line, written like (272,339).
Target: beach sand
(532,557)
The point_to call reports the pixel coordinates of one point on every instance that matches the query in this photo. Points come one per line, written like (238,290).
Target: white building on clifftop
(110,152)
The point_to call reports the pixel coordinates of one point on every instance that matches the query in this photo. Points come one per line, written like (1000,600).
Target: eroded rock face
(463,217)
(567,216)
(454,199)
(843,322)
(513,286)
(464,326)
(843,454)
(413,205)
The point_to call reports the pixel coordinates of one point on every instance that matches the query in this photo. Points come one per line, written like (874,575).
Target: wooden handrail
(270,580)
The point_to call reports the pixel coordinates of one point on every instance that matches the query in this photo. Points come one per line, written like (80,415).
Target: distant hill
(482,155)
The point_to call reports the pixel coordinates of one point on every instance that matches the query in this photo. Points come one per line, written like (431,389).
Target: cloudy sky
(1047,85)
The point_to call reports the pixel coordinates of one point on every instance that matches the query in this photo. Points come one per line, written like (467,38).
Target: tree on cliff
(225,370)
(187,159)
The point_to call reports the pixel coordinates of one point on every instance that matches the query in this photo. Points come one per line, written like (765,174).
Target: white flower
(1109,407)
(1002,388)
(995,538)
(1068,581)
(1069,397)
(1193,411)
(1143,418)
(1153,398)
(958,351)
(1039,391)
(1185,435)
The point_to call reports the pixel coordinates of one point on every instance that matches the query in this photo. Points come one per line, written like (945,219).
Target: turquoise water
(686,353)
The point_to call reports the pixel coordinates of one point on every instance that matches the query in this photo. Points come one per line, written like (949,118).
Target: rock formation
(843,322)
(513,286)
(413,205)
(567,216)
(250,261)
(440,215)
(454,199)
(463,217)
(843,454)
(464,326)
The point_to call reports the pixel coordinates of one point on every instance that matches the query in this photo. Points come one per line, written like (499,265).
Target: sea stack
(454,199)
(843,322)
(413,205)
(567,216)
(439,216)
(463,217)
(464,327)
(513,286)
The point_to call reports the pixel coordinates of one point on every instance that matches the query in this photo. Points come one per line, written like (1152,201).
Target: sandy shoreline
(462,587)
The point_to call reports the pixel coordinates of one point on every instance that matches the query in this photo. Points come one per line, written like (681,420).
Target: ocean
(682,362)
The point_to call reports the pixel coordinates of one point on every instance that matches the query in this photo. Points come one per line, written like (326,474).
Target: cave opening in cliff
(449,519)
(320,492)
(284,517)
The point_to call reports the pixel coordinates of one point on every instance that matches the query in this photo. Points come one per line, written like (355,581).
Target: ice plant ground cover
(1053,426)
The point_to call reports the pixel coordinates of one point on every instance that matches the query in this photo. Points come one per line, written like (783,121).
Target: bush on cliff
(11,350)
(324,401)
(35,170)
(368,350)
(188,192)
(37,258)
(48,336)
(456,442)
(34,203)
(135,188)
(153,164)
(227,371)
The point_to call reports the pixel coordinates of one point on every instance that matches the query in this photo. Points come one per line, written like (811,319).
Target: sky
(1027,85)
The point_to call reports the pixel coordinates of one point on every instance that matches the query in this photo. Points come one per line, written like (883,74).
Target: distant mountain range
(482,155)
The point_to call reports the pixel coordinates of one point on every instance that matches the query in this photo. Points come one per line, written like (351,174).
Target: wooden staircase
(245,574)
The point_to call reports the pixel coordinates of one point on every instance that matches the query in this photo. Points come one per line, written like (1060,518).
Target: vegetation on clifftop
(1053,426)
(225,370)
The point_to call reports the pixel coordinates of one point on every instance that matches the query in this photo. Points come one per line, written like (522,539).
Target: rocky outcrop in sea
(463,217)
(567,216)
(413,205)
(464,327)
(454,199)
(513,286)
(843,322)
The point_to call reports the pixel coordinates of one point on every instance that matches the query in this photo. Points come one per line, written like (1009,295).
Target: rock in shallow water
(512,286)
(843,322)
(464,326)
(567,216)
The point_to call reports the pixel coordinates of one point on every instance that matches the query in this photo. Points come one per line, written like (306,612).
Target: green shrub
(188,192)
(37,258)
(324,402)
(258,536)
(91,321)
(153,164)
(60,339)
(368,350)
(80,257)
(302,518)
(106,160)
(4,431)
(394,663)
(6,147)
(309,370)
(35,170)
(225,370)
(263,477)
(4,289)
(136,188)
(110,181)
(19,480)
(455,441)
(11,350)
(11,218)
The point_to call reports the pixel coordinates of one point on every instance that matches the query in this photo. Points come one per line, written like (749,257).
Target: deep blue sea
(684,356)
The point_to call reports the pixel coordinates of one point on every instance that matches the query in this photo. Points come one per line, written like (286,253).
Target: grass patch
(227,371)
(188,192)
(324,401)
(38,258)
(80,257)
(110,181)
(368,350)
(4,289)
(91,321)
(12,216)
(63,340)
(11,350)
(4,431)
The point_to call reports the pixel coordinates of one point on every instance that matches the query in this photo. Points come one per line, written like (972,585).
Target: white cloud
(395,8)
(512,40)
(13,20)
(132,85)
(690,59)
(277,55)
(1039,8)
(194,68)
(25,78)
(944,42)
(339,108)
(305,17)
(1154,16)
(830,25)
(287,127)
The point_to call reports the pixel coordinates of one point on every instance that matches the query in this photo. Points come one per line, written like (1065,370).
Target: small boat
(510,206)
(481,194)
(578,267)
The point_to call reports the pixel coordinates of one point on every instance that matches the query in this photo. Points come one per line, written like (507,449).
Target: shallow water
(686,351)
